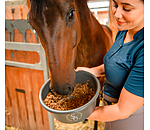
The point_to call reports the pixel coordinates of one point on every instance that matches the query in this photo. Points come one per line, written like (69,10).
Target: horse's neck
(92,35)
(88,23)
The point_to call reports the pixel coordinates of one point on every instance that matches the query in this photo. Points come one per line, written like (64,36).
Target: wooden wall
(22,85)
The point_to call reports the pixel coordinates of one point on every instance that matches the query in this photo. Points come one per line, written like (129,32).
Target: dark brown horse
(71,37)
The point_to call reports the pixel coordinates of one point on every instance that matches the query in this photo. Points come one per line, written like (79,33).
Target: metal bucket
(80,113)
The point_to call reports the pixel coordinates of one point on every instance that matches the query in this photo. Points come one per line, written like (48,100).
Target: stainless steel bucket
(80,113)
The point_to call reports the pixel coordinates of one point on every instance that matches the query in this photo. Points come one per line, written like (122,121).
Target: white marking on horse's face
(46,8)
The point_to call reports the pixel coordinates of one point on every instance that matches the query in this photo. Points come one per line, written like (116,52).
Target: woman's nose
(118,13)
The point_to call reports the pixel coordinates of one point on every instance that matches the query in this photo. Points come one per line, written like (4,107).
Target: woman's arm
(97,71)
(128,103)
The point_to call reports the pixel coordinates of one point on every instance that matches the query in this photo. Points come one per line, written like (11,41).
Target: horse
(71,37)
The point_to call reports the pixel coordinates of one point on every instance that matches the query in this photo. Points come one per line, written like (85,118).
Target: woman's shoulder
(139,50)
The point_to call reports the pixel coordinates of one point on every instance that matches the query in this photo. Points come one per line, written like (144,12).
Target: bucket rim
(72,110)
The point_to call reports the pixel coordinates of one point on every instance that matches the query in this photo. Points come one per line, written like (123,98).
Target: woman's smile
(120,23)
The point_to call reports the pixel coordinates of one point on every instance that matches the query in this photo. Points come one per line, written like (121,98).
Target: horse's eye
(71,15)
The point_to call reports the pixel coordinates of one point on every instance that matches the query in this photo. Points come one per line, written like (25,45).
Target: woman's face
(129,14)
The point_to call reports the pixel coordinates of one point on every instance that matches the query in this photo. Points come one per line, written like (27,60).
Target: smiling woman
(127,14)
(123,93)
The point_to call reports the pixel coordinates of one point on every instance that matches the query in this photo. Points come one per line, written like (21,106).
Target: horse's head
(58,26)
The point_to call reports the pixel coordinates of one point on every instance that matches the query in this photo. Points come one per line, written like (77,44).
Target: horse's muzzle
(64,90)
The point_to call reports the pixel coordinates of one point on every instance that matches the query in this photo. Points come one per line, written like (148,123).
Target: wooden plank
(36,57)
(34,94)
(21,93)
(17,12)
(6,35)
(24,123)
(22,56)
(44,113)
(36,82)
(18,37)
(20,12)
(24,11)
(8,103)
(25,77)
(32,57)
(31,38)
(21,98)
(11,71)
(46,120)
(8,13)
(8,54)
(11,120)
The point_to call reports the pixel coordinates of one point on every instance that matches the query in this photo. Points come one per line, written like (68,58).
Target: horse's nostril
(70,89)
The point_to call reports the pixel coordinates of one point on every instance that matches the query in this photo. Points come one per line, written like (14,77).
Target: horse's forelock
(37,5)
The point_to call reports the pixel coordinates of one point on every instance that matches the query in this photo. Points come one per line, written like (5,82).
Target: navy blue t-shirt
(124,66)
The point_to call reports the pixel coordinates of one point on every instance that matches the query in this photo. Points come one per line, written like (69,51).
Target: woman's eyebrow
(127,4)
(114,1)
(124,3)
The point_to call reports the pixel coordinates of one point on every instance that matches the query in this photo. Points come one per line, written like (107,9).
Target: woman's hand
(97,71)
(84,69)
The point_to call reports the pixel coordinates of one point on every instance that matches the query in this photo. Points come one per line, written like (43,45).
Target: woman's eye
(127,9)
(115,5)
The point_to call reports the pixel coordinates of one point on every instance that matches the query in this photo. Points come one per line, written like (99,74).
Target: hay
(89,125)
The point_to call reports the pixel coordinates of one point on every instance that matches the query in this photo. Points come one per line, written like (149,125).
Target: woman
(124,70)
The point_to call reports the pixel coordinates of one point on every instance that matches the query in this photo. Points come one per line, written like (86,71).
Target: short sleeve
(135,80)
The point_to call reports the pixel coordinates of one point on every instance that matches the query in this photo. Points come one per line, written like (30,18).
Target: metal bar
(15,2)
(24,65)
(22,46)
(51,121)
